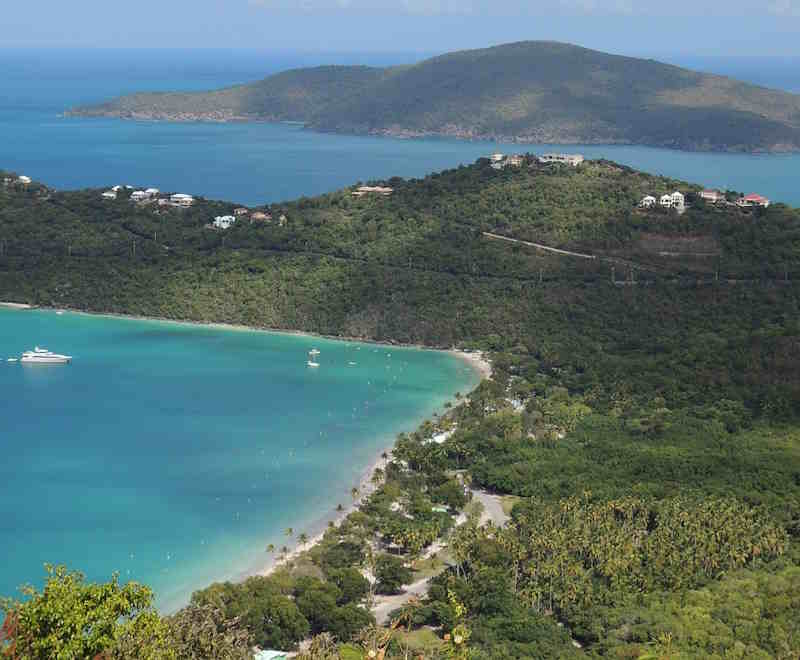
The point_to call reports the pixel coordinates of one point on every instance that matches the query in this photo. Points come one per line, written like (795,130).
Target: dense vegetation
(642,417)
(531,91)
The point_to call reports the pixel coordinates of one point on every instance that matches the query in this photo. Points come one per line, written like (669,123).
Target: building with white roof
(224,221)
(648,202)
(110,194)
(24,179)
(139,196)
(181,199)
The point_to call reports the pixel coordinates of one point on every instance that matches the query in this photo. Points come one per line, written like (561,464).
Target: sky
(634,27)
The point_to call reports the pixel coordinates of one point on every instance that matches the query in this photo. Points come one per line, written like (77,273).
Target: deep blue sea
(174,454)
(257,163)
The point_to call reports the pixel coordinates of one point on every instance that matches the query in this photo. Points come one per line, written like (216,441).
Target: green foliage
(391,573)
(534,91)
(71,618)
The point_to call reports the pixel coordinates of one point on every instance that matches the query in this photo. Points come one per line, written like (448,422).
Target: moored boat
(43,356)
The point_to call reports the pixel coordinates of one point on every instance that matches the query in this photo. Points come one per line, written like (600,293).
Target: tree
(391,573)
(203,632)
(346,621)
(276,622)
(352,585)
(302,538)
(71,618)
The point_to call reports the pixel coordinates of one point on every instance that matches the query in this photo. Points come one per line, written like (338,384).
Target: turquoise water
(174,453)
(257,163)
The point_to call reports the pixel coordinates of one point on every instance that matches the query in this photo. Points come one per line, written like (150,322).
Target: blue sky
(636,27)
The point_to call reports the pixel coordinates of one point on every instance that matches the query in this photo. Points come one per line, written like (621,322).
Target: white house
(110,194)
(566,159)
(181,199)
(24,179)
(712,196)
(648,202)
(496,158)
(139,196)
(678,200)
(666,201)
(117,188)
(152,192)
(224,221)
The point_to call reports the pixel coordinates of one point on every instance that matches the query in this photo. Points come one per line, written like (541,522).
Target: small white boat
(313,351)
(59,313)
(313,364)
(12,360)
(352,364)
(43,356)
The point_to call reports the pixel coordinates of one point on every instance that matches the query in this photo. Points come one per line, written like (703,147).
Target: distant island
(527,92)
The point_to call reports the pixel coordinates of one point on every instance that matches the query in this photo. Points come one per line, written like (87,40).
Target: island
(624,484)
(527,92)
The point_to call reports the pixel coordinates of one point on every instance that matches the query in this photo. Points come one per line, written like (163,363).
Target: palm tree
(302,538)
(289,532)
(271,548)
(339,507)
(284,551)
(354,492)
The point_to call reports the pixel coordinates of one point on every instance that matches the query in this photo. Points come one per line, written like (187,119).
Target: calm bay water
(257,163)
(174,453)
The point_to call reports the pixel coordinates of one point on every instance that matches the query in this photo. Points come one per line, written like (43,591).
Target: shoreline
(475,359)
(319,524)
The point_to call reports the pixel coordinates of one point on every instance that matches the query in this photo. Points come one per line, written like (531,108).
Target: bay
(173,453)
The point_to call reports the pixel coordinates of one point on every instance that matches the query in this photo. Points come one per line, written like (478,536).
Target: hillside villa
(181,199)
(224,221)
(566,159)
(648,202)
(240,211)
(674,200)
(499,161)
(372,190)
(260,216)
(110,194)
(24,180)
(751,200)
(712,196)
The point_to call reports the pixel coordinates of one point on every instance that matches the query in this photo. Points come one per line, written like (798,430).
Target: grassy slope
(536,91)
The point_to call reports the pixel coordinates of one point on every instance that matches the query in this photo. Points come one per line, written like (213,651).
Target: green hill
(642,414)
(535,92)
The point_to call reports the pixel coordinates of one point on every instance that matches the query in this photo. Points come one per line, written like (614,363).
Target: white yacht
(313,364)
(313,352)
(43,356)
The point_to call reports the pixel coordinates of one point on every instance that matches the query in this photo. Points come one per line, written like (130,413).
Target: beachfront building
(181,199)
(24,180)
(262,654)
(648,202)
(751,200)
(566,159)
(372,190)
(224,221)
(110,194)
(712,196)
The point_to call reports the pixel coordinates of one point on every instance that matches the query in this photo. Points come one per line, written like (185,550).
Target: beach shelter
(270,655)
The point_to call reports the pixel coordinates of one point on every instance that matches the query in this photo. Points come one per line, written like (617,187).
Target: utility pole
(613,274)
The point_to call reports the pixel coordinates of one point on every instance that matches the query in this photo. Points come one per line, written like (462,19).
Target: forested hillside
(641,423)
(539,92)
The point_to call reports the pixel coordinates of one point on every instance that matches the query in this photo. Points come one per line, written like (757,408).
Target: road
(385,605)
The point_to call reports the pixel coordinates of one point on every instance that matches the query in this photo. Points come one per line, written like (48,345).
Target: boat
(311,363)
(313,351)
(43,356)
(12,360)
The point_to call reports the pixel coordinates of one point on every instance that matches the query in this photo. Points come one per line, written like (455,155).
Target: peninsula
(527,92)
(640,426)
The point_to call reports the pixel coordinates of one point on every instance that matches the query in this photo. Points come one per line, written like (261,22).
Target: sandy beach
(12,305)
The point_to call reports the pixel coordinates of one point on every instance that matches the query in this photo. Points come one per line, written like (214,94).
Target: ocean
(173,454)
(263,163)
